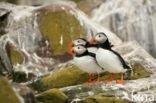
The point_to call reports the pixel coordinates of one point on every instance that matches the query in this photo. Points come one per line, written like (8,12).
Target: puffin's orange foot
(97,79)
(90,78)
(110,78)
(119,81)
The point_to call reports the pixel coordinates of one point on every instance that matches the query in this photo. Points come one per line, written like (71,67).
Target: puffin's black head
(80,41)
(101,40)
(79,49)
(100,37)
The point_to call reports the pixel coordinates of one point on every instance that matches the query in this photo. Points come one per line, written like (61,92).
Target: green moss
(52,96)
(103,99)
(7,95)
(73,75)
(76,1)
(65,77)
(15,55)
(19,76)
(53,25)
(139,72)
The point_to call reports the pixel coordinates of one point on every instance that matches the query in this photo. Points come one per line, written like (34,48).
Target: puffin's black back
(121,59)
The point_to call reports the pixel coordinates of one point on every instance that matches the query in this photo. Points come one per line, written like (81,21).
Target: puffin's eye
(78,41)
(78,47)
(99,36)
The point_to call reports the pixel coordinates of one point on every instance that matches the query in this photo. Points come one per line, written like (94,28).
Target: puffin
(90,45)
(110,59)
(85,60)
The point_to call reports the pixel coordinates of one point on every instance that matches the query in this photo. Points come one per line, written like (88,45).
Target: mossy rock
(138,72)
(20,76)
(7,95)
(52,96)
(76,1)
(14,55)
(103,99)
(66,77)
(72,75)
(59,27)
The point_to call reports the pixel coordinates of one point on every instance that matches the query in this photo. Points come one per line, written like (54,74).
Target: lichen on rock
(103,99)
(52,96)
(7,95)
(14,54)
(59,27)
(65,77)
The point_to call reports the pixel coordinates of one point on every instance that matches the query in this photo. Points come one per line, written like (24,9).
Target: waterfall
(130,20)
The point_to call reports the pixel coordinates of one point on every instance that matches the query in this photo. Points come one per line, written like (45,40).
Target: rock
(52,96)
(72,75)
(19,77)
(7,94)
(5,61)
(25,92)
(139,72)
(3,20)
(65,77)
(2,68)
(15,55)
(65,27)
(88,6)
(102,99)
(142,81)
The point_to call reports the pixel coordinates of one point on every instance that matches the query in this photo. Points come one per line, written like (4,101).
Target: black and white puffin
(91,47)
(110,59)
(86,61)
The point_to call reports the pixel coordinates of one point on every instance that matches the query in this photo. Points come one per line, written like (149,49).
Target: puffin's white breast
(87,64)
(92,49)
(109,61)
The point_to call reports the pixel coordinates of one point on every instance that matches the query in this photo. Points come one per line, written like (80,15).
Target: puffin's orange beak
(92,41)
(70,48)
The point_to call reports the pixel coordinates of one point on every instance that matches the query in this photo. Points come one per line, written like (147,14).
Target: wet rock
(52,96)
(72,75)
(88,6)
(15,55)
(3,20)
(25,92)
(7,94)
(102,99)
(2,68)
(65,77)
(142,80)
(59,27)
(19,76)
(139,72)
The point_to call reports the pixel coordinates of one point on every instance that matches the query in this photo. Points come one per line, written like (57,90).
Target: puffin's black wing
(121,59)
(94,56)
(91,54)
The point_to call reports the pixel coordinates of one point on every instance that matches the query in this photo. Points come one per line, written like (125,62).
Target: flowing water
(130,20)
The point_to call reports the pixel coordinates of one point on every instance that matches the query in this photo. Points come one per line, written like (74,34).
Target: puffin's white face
(79,49)
(100,38)
(79,42)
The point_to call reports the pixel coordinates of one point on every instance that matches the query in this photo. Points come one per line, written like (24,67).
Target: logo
(138,97)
